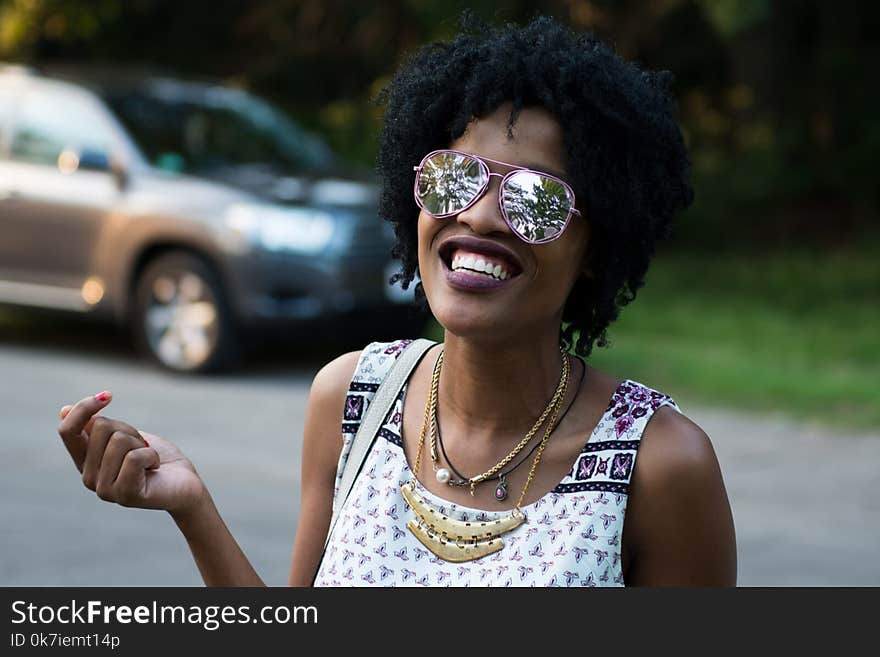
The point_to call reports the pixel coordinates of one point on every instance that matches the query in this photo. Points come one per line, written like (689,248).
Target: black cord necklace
(501,488)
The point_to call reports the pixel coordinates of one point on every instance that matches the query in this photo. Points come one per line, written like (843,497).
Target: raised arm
(322,445)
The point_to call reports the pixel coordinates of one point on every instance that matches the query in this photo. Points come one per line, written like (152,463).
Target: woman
(529,173)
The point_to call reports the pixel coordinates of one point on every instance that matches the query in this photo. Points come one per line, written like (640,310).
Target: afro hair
(625,154)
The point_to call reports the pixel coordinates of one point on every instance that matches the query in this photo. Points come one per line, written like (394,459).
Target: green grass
(797,333)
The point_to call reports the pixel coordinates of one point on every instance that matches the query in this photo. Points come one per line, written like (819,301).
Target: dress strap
(401,366)
(382,391)
(373,366)
(606,462)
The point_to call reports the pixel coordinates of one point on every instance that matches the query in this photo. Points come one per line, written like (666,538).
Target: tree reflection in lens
(536,206)
(448,182)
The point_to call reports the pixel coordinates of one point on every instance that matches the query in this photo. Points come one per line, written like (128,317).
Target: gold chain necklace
(501,487)
(442,474)
(457,540)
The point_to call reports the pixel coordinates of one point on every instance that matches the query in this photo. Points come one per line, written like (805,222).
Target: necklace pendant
(454,540)
(501,489)
(443,475)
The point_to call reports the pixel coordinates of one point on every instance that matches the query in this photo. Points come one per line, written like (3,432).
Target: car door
(56,188)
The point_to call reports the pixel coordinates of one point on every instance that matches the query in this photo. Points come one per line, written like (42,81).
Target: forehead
(534,141)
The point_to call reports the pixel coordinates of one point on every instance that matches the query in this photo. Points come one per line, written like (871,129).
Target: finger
(118,446)
(87,429)
(129,488)
(148,439)
(74,422)
(102,429)
(95,445)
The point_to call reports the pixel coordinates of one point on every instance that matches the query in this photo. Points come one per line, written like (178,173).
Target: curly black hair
(626,157)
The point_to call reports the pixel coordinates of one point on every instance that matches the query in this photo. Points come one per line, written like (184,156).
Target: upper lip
(477,245)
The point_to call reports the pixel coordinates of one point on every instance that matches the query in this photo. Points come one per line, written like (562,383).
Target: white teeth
(476,264)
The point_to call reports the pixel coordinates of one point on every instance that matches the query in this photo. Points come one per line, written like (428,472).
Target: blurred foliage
(792,332)
(732,16)
(778,98)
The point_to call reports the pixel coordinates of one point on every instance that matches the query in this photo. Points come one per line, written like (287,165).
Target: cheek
(424,238)
(576,248)
(422,229)
(560,267)
(427,230)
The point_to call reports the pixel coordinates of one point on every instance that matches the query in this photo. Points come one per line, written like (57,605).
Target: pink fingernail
(146,442)
(103,396)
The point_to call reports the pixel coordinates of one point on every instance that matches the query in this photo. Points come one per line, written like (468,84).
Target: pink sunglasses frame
(485,186)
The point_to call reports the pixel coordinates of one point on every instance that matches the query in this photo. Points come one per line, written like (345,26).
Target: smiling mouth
(471,261)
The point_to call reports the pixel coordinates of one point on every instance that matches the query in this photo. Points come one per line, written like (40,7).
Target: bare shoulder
(333,379)
(321,449)
(679,526)
(326,403)
(322,435)
(675,451)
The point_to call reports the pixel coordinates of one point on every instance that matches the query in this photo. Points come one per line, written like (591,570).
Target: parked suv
(190,212)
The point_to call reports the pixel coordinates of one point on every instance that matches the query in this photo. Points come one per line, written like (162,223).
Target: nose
(484,216)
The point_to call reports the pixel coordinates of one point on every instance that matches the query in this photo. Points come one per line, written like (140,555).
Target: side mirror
(119,169)
(93,159)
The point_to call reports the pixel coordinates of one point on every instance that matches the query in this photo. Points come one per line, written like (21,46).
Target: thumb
(65,411)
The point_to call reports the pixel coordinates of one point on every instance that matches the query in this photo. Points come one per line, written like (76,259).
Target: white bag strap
(377,411)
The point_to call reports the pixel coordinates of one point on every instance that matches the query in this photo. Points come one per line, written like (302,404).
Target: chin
(470,322)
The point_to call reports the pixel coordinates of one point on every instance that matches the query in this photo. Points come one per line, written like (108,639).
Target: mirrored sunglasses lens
(448,182)
(536,206)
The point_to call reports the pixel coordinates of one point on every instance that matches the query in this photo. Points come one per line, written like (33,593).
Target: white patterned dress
(571,536)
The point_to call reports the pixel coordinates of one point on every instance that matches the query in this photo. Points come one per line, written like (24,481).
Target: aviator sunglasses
(535,205)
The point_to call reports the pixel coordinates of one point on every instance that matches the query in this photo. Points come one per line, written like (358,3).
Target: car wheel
(181,319)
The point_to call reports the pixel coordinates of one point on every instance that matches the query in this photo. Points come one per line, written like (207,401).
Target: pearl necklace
(442,474)
(501,488)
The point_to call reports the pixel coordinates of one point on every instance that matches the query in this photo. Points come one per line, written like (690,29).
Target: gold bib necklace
(458,540)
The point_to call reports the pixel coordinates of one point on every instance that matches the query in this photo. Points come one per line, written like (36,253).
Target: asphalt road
(804,499)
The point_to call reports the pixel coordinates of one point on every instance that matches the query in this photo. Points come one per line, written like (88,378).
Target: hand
(127,466)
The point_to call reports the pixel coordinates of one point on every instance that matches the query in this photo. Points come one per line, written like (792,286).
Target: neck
(495,390)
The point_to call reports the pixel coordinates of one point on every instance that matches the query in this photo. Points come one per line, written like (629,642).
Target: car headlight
(277,228)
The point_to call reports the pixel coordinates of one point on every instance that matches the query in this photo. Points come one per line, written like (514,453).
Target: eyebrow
(535,167)
(529,165)
(553,172)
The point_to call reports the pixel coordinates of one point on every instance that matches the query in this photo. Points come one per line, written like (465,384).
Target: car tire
(181,319)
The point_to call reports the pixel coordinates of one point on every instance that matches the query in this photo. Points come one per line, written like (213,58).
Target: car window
(50,121)
(200,130)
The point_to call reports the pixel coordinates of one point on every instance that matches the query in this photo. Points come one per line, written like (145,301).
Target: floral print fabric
(571,536)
